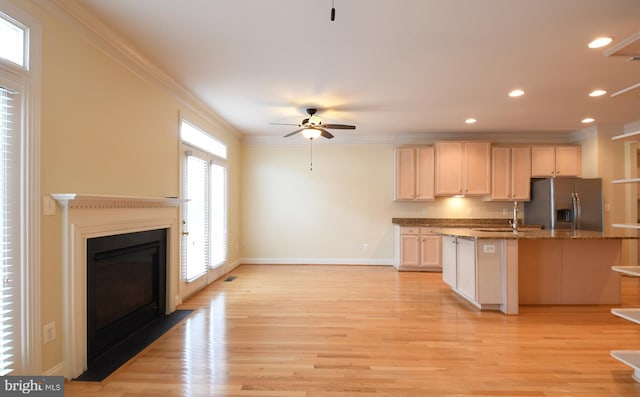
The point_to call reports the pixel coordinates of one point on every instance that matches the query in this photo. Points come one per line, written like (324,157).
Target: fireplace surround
(87,217)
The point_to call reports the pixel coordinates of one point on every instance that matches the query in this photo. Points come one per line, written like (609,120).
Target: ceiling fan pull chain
(311,155)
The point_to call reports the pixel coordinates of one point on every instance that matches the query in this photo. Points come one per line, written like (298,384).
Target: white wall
(294,215)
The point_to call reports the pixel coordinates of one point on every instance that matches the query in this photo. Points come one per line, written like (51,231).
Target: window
(9,227)
(205,214)
(19,189)
(12,38)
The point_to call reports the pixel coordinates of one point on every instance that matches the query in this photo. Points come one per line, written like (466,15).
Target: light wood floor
(370,331)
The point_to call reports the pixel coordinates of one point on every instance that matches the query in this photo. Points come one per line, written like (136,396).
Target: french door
(203,220)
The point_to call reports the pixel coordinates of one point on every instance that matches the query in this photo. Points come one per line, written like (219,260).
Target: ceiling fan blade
(325,133)
(339,126)
(284,124)
(293,133)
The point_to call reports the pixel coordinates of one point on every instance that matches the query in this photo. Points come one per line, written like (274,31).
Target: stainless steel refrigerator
(565,203)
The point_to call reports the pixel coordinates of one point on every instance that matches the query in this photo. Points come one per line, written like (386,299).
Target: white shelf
(628,180)
(628,270)
(631,314)
(630,136)
(627,225)
(630,358)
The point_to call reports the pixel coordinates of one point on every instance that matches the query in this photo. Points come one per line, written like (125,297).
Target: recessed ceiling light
(516,93)
(470,120)
(597,93)
(588,120)
(600,42)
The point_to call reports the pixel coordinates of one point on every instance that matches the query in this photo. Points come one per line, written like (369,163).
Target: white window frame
(28,81)
(220,147)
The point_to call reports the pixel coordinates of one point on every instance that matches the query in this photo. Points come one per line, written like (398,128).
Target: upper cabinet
(463,168)
(415,173)
(551,161)
(510,173)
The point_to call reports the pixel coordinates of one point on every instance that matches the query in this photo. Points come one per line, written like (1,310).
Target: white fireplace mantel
(87,216)
(75,200)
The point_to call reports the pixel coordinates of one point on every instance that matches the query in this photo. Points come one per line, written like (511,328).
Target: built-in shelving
(629,136)
(631,314)
(627,225)
(628,270)
(628,357)
(628,180)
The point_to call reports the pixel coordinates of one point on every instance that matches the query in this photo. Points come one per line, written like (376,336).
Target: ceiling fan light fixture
(311,133)
(314,120)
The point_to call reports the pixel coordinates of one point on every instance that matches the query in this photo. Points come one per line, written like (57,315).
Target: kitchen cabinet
(419,249)
(415,173)
(552,161)
(450,260)
(473,269)
(511,173)
(463,168)
(628,357)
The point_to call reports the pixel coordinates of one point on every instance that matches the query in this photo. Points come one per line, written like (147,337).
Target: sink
(493,229)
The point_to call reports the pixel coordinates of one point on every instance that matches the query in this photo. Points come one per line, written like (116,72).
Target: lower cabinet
(473,269)
(419,249)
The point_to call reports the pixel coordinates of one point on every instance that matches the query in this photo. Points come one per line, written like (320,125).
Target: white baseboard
(56,370)
(315,261)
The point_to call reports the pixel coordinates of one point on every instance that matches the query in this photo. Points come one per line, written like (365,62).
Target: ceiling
(394,67)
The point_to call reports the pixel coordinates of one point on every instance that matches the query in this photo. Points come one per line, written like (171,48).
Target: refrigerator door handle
(574,211)
(579,212)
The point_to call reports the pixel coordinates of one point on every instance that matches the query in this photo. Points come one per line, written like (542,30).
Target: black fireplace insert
(126,286)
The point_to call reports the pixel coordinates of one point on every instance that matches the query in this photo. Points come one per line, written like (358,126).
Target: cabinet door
(409,250)
(500,173)
(477,168)
(449,259)
(431,251)
(568,161)
(521,173)
(467,268)
(425,173)
(448,168)
(405,174)
(543,160)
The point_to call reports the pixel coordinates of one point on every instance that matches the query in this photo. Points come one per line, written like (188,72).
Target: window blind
(218,214)
(10,225)
(197,217)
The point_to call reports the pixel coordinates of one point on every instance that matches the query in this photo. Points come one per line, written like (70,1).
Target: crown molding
(422,139)
(76,16)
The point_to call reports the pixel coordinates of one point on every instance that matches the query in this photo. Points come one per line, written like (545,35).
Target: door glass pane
(197,217)
(218,215)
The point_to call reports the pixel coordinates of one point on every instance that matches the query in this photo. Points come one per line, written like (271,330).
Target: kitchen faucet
(514,221)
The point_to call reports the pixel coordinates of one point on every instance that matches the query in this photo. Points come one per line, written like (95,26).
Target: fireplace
(88,217)
(126,286)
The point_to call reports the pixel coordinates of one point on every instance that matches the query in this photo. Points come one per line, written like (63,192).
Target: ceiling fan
(312,127)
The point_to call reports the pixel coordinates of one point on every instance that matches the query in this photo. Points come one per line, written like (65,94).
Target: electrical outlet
(469,211)
(505,212)
(365,247)
(49,332)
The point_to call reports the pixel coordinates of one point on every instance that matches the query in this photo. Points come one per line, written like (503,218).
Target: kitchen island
(500,269)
